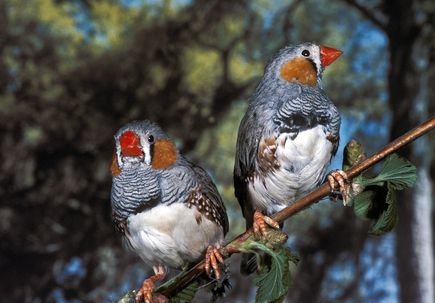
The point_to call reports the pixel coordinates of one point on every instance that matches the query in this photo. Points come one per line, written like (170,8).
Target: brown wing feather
(207,199)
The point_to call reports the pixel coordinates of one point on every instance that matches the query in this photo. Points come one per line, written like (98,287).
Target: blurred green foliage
(72,72)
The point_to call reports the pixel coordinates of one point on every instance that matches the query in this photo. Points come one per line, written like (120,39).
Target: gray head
(302,63)
(143,142)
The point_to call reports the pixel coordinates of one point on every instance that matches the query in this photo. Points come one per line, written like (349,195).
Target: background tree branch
(368,13)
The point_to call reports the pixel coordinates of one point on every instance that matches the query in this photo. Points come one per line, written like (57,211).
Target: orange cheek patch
(299,70)
(114,168)
(165,154)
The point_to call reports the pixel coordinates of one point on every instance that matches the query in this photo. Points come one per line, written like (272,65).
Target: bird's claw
(260,223)
(338,179)
(145,293)
(212,257)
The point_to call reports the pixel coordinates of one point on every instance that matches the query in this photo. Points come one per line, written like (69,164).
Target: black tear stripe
(151,151)
(314,65)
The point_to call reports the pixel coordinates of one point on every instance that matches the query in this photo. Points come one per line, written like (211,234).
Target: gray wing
(245,163)
(256,124)
(209,192)
(186,181)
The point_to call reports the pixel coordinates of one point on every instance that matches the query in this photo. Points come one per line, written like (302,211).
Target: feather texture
(167,208)
(288,135)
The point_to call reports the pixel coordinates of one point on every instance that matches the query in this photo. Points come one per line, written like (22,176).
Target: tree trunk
(408,101)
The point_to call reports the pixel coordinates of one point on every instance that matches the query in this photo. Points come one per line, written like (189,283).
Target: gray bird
(168,209)
(287,137)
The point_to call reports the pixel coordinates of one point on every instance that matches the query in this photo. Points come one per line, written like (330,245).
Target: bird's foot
(145,293)
(212,257)
(338,180)
(261,222)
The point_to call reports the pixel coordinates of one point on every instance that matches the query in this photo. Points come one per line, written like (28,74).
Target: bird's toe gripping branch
(338,180)
(145,293)
(261,222)
(212,257)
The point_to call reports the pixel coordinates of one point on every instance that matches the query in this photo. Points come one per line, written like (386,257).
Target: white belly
(303,162)
(171,236)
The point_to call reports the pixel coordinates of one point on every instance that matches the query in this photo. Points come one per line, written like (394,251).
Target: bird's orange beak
(328,55)
(130,145)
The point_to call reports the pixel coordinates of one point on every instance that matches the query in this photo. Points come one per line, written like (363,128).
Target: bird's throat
(299,70)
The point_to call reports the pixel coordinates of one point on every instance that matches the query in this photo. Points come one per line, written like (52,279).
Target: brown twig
(368,13)
(319,193)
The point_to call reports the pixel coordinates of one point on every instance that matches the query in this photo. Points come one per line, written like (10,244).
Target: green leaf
(129,297)
(273,283)
(399,172)
(275,238)
(388,218)
(353,153)
(362,204)
(378,201)
(186,295)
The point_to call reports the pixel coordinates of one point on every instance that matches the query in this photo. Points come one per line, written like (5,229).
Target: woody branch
(324,190)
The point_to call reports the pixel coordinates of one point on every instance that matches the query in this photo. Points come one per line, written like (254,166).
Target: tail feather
(219,287)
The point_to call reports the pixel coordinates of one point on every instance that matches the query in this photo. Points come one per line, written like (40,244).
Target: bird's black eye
(151,139)
(305,53)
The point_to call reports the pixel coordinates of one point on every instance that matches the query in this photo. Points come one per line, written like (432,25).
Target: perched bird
(168,209)
(288,135)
